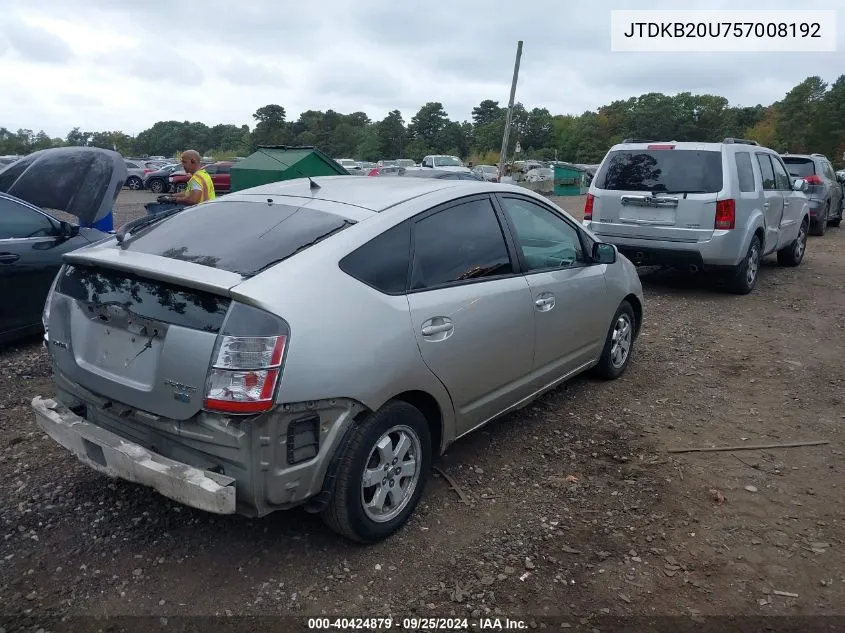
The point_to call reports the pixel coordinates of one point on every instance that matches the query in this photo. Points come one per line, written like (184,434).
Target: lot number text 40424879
(416,624)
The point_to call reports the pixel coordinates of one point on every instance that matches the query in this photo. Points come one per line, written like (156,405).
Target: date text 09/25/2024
(416,624)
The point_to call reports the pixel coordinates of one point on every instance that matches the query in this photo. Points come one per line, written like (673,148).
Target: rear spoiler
(175,271)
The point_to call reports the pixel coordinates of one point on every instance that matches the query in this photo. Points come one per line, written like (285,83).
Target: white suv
(702,206)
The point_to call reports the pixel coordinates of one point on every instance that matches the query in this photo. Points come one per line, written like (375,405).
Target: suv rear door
(772,201)
(658,191)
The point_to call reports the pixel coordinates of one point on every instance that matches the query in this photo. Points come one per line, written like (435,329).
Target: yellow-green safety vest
(201,176)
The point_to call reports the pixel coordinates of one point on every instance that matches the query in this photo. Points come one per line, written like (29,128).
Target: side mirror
(799,184)
(604,253)
(68,230)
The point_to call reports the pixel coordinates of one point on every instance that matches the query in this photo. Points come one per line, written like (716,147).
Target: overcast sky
(120,65)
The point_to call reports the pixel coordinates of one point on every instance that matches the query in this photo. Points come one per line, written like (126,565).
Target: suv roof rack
(742,141)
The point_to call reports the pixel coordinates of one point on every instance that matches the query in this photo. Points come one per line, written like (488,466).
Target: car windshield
(799,167)
(446,161)
(664,171)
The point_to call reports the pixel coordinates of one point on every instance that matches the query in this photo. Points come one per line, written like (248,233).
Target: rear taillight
(588,207)
(244,375)
(815,179)
(725,214)
(247,362)
(661,147)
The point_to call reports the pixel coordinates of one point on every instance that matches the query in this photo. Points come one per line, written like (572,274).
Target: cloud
(218,61)
(34,44)
(247,73)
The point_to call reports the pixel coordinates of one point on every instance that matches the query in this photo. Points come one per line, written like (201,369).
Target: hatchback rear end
(667,204)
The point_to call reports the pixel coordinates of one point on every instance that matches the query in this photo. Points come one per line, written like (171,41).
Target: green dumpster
(273,163)
(570,180)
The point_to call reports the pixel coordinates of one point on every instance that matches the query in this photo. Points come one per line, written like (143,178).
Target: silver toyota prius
(318,342)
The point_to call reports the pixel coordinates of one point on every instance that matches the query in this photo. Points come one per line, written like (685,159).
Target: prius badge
(181,392)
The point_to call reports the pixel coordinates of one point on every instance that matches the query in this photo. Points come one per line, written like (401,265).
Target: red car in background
(220,173)
(387,170)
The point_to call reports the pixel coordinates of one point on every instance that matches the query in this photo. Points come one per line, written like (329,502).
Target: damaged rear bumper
(114,456)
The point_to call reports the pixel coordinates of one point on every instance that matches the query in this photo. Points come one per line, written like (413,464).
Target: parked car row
(717,207)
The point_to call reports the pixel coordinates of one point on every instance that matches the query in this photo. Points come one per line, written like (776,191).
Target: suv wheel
(381,475)
(745,275)
(619,344)
(793,254)
(156,185)
(134,183)
(820,227)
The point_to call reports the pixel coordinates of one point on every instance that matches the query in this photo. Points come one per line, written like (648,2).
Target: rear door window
(799,167)
(240,237)
(744,172)
(767,171)
(461,243)
(661,170)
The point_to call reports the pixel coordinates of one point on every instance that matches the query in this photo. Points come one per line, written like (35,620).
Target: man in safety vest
(200,188)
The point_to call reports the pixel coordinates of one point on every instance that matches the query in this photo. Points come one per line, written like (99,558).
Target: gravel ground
(576,508)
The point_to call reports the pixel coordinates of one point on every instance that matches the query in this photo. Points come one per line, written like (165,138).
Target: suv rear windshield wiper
(141,223)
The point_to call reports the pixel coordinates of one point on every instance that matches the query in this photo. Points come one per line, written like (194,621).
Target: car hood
(82,181)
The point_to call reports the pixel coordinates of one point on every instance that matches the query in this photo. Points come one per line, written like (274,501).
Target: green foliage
(810,118)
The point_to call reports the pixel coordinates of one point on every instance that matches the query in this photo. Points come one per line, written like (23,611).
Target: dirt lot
(635,531)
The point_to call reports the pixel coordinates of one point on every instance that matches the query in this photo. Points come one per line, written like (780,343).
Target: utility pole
(503,157)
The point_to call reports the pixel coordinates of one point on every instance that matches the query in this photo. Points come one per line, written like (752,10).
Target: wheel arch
(637,305)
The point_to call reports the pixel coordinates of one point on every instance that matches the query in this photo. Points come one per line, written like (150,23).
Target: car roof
(372,194)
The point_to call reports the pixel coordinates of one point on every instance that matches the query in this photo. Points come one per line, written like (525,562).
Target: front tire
(793,254)
(744,277)
(381,475)
(619,344)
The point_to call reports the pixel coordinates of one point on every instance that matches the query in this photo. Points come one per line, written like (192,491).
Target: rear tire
(744,277)
(619,344)
(793,254)
(134,183)
(181,187)
(384,447)
(156,186)
(820,227)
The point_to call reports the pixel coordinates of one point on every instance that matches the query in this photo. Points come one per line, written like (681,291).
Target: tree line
(809,118)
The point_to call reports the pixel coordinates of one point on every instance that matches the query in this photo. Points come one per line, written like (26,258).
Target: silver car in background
(318,343)
(713,206)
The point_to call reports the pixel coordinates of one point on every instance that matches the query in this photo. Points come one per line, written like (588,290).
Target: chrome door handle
(431,330)
(540,303)
(8,258)
(786,203)
(765,205)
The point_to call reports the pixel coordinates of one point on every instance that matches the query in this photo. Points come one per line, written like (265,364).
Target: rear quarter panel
(347,339)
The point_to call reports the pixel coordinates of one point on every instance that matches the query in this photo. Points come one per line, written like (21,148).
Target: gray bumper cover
(112,455)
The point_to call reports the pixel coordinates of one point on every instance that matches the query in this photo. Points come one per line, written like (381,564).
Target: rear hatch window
(799,167)
(662,171)
(239,237)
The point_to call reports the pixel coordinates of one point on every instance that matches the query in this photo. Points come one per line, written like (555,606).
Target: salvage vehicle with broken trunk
(316,342)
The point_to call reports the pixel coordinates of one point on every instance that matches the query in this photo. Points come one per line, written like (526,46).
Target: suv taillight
(247,362)
(815,179)
(725,214)
(588,207)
